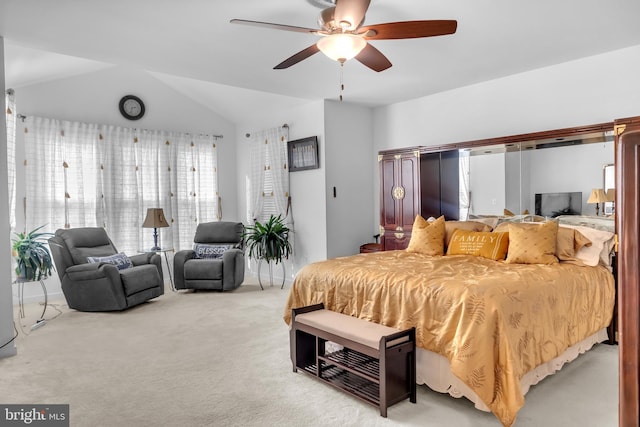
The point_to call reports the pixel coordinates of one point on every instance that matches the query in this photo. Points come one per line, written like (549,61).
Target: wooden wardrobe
(415,181)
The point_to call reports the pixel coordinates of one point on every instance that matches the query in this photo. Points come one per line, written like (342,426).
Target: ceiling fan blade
(302,55)
(274,26)
(351,11)
(373,58)
(408,29)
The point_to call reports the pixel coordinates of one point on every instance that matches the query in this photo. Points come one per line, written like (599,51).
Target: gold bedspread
(493,321)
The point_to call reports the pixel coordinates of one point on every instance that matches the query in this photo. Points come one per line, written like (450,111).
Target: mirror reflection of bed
(508,176)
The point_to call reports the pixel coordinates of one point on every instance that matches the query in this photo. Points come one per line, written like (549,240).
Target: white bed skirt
(434,370)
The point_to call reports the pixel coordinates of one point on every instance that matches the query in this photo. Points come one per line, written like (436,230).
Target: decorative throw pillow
(479,243)
(120,260)
(427,238)
(569,242)
(599,252)
(533,243)
(208,251)
(451,226)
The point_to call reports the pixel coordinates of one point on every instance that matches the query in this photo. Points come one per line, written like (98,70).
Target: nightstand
(370,247)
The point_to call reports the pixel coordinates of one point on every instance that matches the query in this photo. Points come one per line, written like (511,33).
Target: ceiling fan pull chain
(341,79)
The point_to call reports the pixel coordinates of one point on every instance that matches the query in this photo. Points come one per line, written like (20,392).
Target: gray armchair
(217,260)
(101,285)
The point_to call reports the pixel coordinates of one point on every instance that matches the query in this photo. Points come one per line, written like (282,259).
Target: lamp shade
(341,47)
(597,196)
(155,219)
(611,195)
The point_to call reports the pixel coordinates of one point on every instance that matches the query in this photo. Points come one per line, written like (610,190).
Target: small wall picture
(303,154)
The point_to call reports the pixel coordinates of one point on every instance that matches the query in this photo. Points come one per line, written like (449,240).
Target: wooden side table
(370,247)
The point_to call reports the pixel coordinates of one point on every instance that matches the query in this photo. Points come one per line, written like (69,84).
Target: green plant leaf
(33,258)
(268,241)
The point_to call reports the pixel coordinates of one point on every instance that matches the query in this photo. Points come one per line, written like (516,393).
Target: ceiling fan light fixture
(341,47)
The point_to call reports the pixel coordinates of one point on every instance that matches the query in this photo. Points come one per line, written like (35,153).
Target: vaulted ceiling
(191,45)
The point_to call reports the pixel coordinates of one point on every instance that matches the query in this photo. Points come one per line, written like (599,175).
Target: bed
(486,329)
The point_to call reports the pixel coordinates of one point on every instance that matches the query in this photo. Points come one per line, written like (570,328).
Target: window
(81,174)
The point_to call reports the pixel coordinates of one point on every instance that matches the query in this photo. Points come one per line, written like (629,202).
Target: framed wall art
(303,154)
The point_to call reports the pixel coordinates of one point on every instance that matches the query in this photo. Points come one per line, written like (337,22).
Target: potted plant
(32,255)
(269,242)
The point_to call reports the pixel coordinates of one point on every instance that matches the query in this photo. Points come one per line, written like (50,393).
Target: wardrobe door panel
(410,200)
(388,209)
(430,185)
(450,184)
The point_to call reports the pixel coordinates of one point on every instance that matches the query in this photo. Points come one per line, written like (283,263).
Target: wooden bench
(376,363)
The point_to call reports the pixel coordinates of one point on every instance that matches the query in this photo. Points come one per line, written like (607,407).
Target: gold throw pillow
(569,242)
(451,226)
(427,238)
(479,243)
(533,243)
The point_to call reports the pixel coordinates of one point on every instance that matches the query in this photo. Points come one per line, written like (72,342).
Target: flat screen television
(555,204)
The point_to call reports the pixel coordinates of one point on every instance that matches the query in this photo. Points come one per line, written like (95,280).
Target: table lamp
(155,219)
(597,196)
(611,197)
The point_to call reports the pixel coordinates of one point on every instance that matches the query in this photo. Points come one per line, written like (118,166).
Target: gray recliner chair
(95,277)
(217,260)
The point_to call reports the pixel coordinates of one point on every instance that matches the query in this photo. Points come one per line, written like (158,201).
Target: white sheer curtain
(465,193)
(10,111)
(268,185)
(99,175)
(255,182)
(279,168)
(194,189)
(61,171)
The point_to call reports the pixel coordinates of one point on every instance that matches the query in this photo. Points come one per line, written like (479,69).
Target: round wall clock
(131,107)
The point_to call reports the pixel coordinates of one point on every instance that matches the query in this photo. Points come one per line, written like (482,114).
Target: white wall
(591,90)
(557,170)
(6,305)
(94,98)
(350,162)
(487,184)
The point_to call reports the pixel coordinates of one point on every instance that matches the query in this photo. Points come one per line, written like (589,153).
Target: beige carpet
(222,359)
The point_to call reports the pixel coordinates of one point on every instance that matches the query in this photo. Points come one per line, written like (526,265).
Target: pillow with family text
(484,244)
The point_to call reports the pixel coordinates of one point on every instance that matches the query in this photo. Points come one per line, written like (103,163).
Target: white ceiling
(190,44)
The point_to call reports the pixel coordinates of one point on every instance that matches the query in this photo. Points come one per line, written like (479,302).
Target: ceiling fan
(344,36)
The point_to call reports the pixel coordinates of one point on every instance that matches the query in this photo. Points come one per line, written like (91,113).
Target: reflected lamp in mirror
(597,196)
(155,219)
(611,198)
(611,195)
